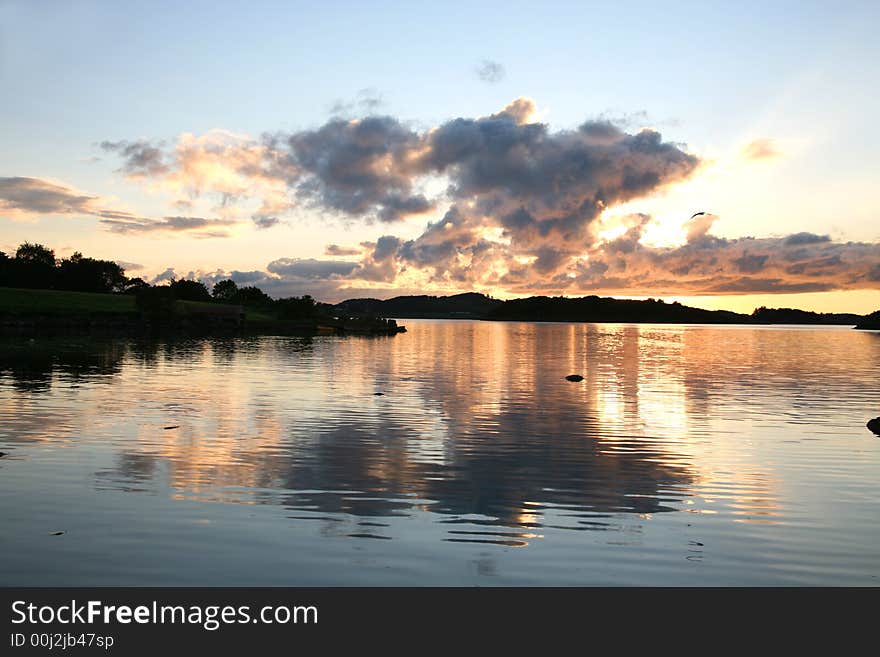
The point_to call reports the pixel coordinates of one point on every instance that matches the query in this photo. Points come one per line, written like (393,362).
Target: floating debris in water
(574,377)
(874,425)
(57,533)
(378,394)
(2,454)
(173,426)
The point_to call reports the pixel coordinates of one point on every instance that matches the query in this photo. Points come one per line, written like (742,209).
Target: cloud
(129,266)
(711,265)
(374,168)
(139,158)
(196,226)
(310,268)
(38,196)
(761,149)
(698,225)
(520,208)
(751,264)
(243,176)
(34,196)
(336,250)
(368,100)
(806,238)
(167,275)
(359,167)
(264,221)
(489,71)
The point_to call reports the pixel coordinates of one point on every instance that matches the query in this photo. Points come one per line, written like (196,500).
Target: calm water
(688,456)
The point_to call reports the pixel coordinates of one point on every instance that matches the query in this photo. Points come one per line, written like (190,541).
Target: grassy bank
(20,301)
(25,311)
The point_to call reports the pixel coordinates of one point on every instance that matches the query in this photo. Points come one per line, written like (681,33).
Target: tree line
(35,266)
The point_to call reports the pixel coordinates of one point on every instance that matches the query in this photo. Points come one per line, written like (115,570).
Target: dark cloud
(197,226)
(34,195)
(755,285)
(264,221)
(806,238)
(545,189)
(167,275)
(358,167)
(139,158)
(373,168)
(311,268)
(489,71)
(129,266)
(750,264)
(336,250)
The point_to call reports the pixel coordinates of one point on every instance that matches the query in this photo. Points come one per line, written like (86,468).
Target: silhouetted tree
(133,285)
(253,297)
(190,290)
(35,254)
(5,269)
(295,308)
(34,266)
(225,291)
(90,275)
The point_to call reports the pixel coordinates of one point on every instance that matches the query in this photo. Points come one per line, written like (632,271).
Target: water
(689,455)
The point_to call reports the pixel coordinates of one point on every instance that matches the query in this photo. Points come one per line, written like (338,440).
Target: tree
(253,296)
(5,269)
(29,253)
(34,267)
(190,290)
(225,291)
(295,307)
(133,285)
(90,275)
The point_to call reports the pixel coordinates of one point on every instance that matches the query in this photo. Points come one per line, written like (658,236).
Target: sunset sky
(376,149)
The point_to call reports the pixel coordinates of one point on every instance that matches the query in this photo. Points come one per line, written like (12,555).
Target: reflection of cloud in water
(477,424)
(491,438)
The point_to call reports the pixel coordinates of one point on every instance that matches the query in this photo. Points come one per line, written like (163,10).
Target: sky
(716,154)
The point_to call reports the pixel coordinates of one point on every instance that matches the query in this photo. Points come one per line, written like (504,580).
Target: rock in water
(874,425)
(574,377)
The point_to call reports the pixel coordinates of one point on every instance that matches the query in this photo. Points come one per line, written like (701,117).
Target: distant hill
(593,308)
(870,322)
(470,305)
(606,309)
(765,315)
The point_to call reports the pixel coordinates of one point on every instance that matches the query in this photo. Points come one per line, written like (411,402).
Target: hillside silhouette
(592,308)
(470,305)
